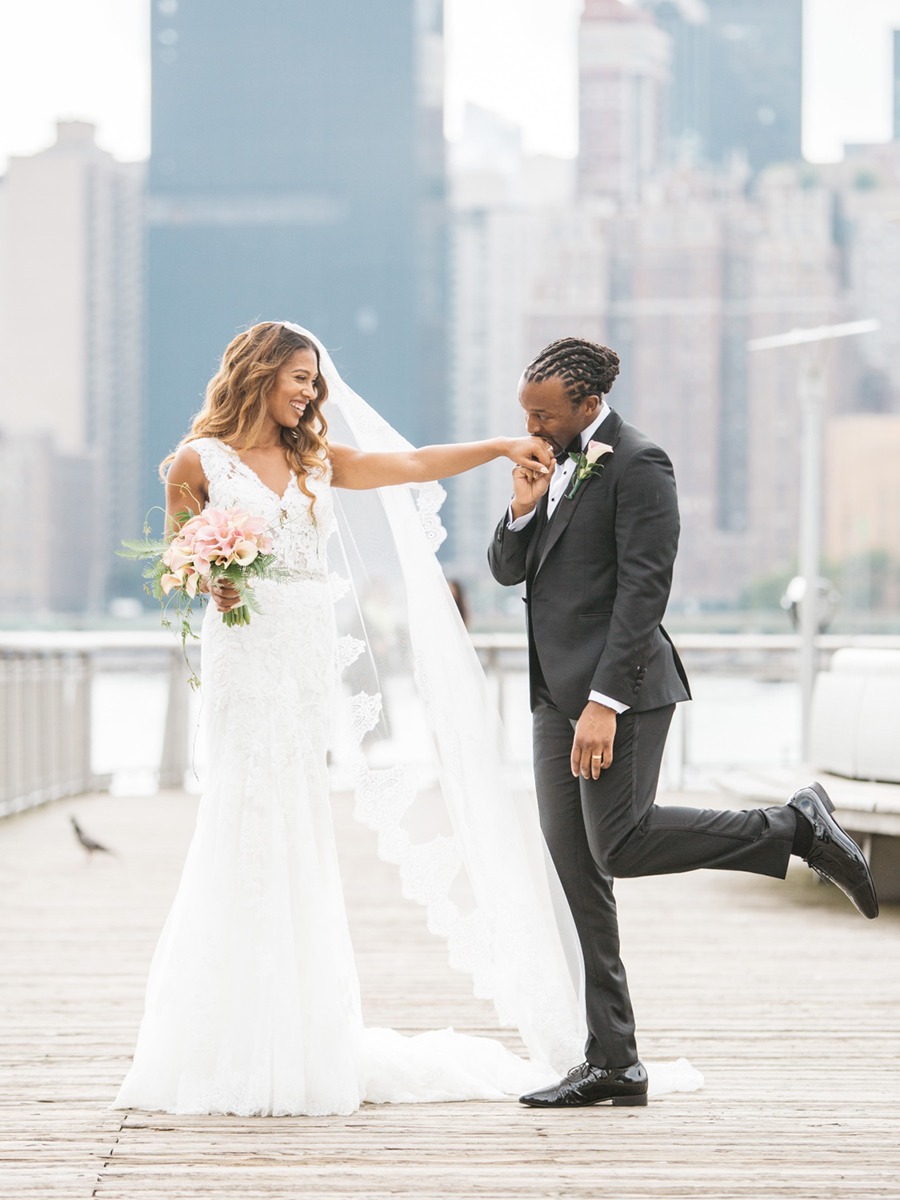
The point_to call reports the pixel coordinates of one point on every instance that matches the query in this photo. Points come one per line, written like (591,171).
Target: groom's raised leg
(631,835)
(588,890)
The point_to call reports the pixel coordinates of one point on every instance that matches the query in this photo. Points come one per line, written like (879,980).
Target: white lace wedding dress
(252,1002)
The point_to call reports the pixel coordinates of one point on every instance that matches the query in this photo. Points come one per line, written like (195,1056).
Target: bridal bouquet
(215,544)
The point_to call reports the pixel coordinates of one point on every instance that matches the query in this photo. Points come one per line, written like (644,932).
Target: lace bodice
(300,533)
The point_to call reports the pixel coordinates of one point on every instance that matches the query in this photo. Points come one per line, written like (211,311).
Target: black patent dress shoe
(834,854)
(587,1084)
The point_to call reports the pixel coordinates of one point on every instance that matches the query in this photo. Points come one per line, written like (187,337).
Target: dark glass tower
(736,77)
(756,79)
(297,172)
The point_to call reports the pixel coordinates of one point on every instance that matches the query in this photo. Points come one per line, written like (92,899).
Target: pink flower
(191,583)
(213,538)
(245,552)
(597,450)
(587,465)
(169,582)
(177,555)
(185,577)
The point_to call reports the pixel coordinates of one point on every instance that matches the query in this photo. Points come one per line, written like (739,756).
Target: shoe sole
(616,1101)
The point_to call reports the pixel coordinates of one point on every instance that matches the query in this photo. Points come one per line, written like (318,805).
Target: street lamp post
(811,395)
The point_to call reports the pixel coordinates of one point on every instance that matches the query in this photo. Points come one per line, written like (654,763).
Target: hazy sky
(87,59)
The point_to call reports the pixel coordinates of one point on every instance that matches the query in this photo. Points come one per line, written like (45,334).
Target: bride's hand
(225,595)
(532,453)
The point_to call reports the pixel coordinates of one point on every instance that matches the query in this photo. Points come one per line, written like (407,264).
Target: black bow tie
(574,447)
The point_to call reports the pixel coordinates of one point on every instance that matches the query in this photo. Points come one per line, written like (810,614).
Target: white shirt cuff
(519,522)
(615,705)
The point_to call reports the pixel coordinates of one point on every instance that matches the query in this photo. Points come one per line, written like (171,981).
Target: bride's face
(294,389)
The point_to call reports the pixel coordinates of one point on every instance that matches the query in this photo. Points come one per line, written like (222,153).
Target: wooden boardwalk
(786,1000)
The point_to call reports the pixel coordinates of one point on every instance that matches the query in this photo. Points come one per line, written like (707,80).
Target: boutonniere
(588,463)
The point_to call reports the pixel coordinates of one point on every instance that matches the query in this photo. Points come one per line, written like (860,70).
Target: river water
(733,721)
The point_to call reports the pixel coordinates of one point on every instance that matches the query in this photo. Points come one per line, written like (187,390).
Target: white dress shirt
(558,486)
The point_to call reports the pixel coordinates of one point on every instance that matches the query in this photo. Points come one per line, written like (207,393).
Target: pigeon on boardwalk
(88,842)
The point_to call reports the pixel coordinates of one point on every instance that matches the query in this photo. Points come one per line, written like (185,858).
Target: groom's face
(551,415)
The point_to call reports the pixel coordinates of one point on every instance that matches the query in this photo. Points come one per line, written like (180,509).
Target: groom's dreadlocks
(585,368)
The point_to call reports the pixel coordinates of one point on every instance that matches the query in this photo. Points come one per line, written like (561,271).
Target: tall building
(862,507)
(867,194)
(737,70)
(699,269)
(623,60)
(71,360)
(297,172)
(523,278)
(666,318)
(528,266)
(677,264)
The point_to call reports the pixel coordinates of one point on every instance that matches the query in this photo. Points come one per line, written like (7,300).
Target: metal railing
(46,717)
(766,655)
(46,681)
(45,723)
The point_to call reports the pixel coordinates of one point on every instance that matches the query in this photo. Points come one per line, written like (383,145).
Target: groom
(594,544)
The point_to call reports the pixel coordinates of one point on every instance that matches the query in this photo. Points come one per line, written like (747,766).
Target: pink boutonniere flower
(588,463)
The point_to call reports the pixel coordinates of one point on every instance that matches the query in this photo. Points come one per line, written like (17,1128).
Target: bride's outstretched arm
(357,469)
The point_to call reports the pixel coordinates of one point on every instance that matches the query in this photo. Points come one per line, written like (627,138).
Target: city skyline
(337,214)
(675,262)
(523,69)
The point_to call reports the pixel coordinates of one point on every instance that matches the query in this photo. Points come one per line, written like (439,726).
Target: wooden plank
(779,993)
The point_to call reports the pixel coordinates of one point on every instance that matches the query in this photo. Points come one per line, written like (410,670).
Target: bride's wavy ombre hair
(235,412)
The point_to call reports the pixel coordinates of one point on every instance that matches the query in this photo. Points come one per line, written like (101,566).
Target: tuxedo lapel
(612,428)
(535,546)
(557,526)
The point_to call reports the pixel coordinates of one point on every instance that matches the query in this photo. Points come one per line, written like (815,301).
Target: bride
(252,1002)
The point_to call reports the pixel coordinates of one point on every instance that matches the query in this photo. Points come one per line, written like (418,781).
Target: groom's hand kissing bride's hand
(592,749)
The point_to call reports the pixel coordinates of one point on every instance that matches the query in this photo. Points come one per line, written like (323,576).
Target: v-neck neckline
(262,483)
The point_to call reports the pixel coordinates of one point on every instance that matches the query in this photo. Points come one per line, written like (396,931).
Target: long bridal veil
(420,742)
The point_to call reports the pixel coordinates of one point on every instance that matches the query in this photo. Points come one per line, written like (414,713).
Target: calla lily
(244,553)
(169,582)
(597,450)
(587,464)
(177,556)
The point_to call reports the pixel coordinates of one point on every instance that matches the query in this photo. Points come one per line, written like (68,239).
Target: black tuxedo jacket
(598,576)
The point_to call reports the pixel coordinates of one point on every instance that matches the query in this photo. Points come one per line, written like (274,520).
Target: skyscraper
(736,77)
(71,364)
(297,172)
(623,69)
